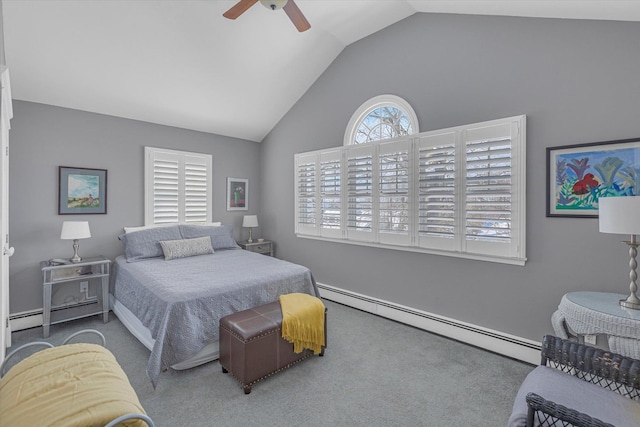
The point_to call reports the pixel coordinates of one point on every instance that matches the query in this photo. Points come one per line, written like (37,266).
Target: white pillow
(186,247)
(146,227)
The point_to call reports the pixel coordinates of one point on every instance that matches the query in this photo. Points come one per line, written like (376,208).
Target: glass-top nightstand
(89,269)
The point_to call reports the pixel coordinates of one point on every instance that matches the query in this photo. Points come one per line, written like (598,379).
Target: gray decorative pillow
(186,247)
(143,244)
(221,236)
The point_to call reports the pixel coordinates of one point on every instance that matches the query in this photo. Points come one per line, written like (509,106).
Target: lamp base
(629,304)
(632,301)
(76,257)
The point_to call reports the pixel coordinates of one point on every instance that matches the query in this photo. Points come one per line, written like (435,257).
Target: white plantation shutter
(177,186)
(165,189)
(306,183)
(491,216)
(196,189)
(437,194)
(457,191)
(394,197)
(330,193)
(360,192)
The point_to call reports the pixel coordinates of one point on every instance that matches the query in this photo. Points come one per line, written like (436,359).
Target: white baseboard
(25,320)
(488,339)
(498,342)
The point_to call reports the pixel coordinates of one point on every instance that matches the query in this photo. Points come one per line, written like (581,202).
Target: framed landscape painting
(82,191)
(237,194)
(579,175)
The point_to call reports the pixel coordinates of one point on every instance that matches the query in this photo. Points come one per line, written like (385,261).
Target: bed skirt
(209,353)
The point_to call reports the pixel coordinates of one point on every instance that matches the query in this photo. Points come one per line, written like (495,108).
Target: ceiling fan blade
(239,8)
(296,16)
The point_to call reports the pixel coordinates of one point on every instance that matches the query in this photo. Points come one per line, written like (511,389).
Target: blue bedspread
(181,301)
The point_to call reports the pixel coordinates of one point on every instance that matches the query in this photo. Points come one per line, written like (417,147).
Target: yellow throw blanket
(303,321)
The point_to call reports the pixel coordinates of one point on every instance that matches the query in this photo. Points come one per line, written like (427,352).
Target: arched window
(381,117)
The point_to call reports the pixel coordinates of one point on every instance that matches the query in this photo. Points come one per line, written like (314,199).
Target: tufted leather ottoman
(252,347)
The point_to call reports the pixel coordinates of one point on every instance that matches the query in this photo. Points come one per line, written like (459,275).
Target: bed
(174,283)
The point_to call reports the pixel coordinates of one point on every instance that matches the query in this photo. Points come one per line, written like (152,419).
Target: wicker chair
(612,372)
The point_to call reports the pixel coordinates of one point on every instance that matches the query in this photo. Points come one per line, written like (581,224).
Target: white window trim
(517,253)
(376,102)
(150,154)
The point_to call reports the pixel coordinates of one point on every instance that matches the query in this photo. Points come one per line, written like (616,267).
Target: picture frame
(579,175)
(237,194)
(82,191)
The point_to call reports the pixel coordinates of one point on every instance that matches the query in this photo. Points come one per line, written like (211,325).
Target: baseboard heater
(26,320)
(488,339)
(34,318)
(498,342)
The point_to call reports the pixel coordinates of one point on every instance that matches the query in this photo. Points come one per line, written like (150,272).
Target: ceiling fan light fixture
(291,9)
(274,4)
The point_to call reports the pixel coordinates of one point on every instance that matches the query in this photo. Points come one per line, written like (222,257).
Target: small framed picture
(579,175)
(237,194)
(82,191)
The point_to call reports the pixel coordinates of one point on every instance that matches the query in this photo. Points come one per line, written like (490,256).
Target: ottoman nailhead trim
(270,373)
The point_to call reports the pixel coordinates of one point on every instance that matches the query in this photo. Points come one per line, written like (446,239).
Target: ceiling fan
(289,6)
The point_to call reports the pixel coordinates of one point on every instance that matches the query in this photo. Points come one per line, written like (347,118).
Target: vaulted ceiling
(180,63)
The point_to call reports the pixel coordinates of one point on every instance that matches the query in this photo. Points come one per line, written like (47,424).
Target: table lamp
(75,230)
(621,215)
(250,221)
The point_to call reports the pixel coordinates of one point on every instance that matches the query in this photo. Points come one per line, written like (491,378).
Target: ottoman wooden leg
(247,389)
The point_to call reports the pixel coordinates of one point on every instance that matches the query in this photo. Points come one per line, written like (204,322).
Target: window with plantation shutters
(177,186)
(457,192)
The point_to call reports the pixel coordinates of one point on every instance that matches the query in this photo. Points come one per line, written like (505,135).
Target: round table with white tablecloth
(591,313)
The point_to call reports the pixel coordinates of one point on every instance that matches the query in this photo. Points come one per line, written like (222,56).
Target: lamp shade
(619,215)
(72,230)
(250,221)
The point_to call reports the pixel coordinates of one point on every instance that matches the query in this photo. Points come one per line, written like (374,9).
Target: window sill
(471,256)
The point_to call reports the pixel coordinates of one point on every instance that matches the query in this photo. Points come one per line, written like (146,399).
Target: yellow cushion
(72,385)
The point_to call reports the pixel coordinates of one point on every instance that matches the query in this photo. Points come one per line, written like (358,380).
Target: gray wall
(44,137)
(2,56)
(577,82)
